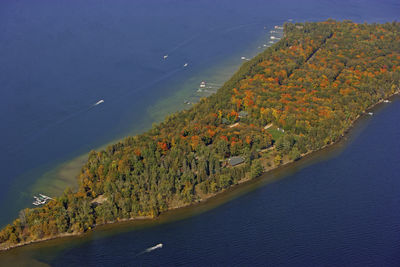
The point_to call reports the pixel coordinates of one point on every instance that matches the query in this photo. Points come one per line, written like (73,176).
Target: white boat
(159,245)
(44,196)
(185,65)
(165,57)
(264,45)
(386,101)
(99,102)
(243,58)
(370,113)
(152,248)
(40,200)
(155,247)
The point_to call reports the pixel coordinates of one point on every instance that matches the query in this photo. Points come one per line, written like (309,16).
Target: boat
(165,56)
(370,113)
(40,200)
(386,101)
(243,58)
(186,64)
(99,102)
(158,245)
(203,84)
(153,248)
(44,196)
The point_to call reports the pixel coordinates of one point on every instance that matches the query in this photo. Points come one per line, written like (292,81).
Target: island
(298,96)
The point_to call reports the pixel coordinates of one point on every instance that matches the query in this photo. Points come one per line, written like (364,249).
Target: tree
(278,160)
(256,169)
(295,154)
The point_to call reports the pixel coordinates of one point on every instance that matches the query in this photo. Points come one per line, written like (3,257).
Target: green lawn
(275,133)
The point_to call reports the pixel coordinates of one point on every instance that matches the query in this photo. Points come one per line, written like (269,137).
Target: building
(233,161)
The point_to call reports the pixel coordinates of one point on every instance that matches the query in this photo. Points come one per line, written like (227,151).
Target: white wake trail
(150,249)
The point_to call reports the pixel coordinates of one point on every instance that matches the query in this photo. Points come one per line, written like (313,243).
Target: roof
(235,160)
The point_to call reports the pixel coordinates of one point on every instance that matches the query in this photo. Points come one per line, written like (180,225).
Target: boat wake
(150,249)
(198,36)
(34,136)
(98,103)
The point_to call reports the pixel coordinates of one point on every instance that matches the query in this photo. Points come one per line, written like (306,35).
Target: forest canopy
(296,97)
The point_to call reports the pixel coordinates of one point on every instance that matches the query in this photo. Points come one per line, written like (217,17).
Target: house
(233,161)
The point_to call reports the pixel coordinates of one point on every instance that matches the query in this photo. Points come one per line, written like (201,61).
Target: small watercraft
(186,64)
(243,58)
(99,102)
(370,113)
(165,56)
(44,196)
(155,247)
(40,200)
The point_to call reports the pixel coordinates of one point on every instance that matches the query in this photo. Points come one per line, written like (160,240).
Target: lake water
(60,57)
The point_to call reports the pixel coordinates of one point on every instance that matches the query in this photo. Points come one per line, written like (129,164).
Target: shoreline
(266,177)
(65,171)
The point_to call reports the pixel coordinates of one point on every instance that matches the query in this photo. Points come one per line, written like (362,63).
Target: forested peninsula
(298,96)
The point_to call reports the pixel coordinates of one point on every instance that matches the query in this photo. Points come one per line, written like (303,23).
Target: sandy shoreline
(208,197)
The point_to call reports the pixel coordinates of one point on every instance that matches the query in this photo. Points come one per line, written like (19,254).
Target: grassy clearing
(276,134)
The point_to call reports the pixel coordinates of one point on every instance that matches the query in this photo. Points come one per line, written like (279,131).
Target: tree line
(297,96)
